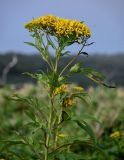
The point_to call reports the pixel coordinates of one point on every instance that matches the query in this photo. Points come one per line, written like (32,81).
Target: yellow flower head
(41,23)
(61,89)
(116,134)
(68,102)
(78,88)
(59,26)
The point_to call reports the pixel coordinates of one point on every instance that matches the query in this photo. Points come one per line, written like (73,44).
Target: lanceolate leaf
(88,44)
(65,116)
(30,44)
(75,68)
(66,156)
(85,53)
(67,53)
(82,98)
(50,42)
(86,116)
(88,129)
(8,143)
(93,75)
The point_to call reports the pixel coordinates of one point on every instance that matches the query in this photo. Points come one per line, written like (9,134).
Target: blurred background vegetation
(105,104)
(112,66)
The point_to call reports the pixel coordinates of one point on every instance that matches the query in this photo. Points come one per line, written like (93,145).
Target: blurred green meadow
(103,111)
(104,104)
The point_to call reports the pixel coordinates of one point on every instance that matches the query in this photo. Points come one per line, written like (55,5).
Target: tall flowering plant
(49,120)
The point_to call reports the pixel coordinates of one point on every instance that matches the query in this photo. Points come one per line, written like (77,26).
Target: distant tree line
(112,66)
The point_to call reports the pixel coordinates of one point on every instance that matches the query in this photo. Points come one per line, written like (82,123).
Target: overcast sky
(104,17)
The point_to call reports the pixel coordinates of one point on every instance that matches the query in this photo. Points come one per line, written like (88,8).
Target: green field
(105,105)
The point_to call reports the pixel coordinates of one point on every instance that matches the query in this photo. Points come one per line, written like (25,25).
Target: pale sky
(105,18)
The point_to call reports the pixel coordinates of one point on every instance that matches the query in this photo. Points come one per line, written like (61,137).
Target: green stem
(72,60)
(59,122)
(49,127)
(57,60)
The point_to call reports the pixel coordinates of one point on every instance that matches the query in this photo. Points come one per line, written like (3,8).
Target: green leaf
(38,44)
(65,116)
(75,68)
(67,53)
(95,76)
(50,42)
(8,143)
(31,115)
(88,44)
(32,124)
(66,156)
(86,116)
(17,154)
(84,53)
(33,75)
(82,98)
(88,129)
(30,44)
(41,77)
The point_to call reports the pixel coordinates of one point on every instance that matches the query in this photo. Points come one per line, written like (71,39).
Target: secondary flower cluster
(68,101)
(78,88)
(69,98)
(61,89)
(59,26)
(117,134)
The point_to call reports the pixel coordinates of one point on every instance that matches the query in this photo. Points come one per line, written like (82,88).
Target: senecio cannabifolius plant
(58,33)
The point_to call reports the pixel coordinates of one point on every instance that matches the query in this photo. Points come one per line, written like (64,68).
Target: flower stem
(59,121)
(49,127)
(72,60)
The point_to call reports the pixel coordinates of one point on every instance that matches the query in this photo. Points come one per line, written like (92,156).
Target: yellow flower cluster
(41,23)
(60,89)
(59,26)
(62,135)
(68,102)
(78,88)
(116,134)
